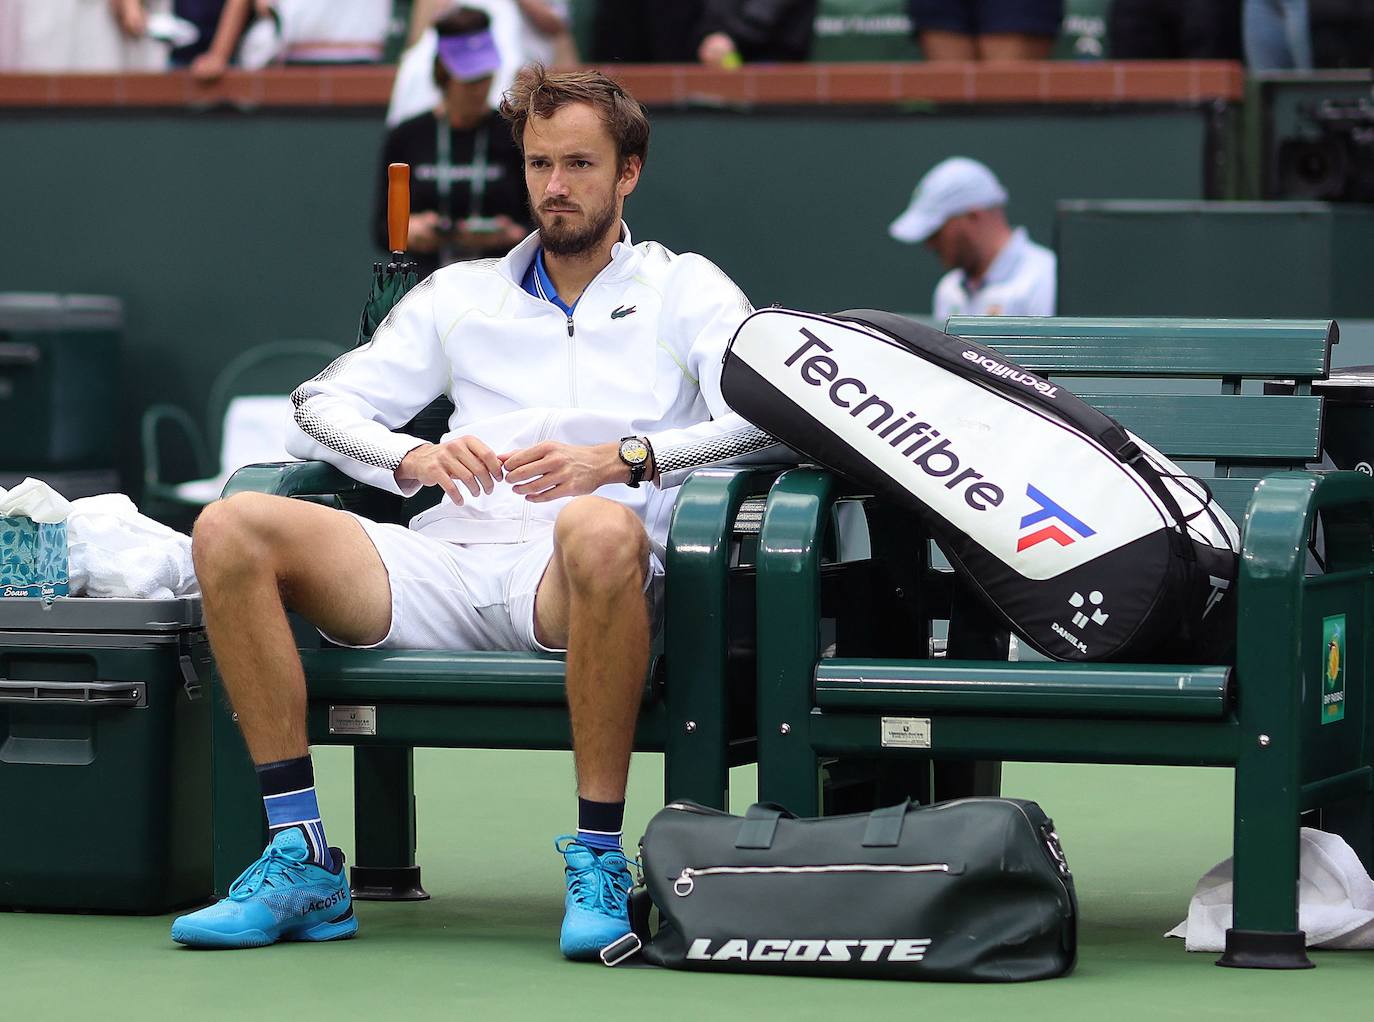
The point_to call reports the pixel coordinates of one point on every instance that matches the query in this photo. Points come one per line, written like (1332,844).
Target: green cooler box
(104,755)
(59,381)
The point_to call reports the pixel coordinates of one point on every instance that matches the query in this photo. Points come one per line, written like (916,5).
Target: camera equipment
(1333,159)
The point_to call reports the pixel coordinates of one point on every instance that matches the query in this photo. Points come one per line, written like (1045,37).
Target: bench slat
(437,676)
(1253,349)
(1279,429)
(1039,689)
(1233,495)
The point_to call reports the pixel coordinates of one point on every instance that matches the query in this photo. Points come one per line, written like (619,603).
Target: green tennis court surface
(486,945)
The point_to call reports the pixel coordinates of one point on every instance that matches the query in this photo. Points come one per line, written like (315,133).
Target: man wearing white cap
(959,211)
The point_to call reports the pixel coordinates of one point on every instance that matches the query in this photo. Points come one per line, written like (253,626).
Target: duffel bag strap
(884,828)
(760,824)
(633,942)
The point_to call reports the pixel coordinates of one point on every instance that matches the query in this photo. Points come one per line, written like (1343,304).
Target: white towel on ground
(113,551)
(1335,899)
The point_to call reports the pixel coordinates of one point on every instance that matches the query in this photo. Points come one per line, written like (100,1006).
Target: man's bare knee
(229,535)
(602,545)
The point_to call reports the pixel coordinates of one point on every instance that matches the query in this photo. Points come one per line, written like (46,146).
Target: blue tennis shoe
(282,896)
(596,911)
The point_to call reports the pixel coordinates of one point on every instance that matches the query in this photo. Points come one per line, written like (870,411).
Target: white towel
(113,551)
(1335,899)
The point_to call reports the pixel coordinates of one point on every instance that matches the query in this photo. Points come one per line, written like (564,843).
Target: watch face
(633,451)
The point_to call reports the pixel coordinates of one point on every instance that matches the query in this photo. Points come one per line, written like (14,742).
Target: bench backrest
(1243,433)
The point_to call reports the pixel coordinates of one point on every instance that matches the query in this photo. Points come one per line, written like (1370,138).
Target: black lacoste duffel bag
(974,889)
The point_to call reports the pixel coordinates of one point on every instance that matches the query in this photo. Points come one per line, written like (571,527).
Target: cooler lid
(1344,386)
(1350,383)
(33,310)
(88,614)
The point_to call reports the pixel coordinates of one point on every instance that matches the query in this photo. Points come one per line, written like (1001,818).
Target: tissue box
(33,558)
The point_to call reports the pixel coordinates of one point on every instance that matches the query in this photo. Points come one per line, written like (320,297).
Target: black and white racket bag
(1090,543)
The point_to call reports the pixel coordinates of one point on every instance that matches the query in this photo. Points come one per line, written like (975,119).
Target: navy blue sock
(599,824)
(288,795)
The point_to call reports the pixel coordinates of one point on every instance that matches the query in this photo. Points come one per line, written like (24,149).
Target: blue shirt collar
(537,283)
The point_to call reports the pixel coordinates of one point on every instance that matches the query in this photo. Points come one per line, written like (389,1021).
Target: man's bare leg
(255,555)
(591,601)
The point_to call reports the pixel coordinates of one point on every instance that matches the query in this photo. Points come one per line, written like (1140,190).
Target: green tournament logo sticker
(1333,668)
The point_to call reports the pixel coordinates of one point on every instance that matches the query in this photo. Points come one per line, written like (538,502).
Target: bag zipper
(1048,836)
(686,881)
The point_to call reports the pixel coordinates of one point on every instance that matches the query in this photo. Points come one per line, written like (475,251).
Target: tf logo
(1047,511)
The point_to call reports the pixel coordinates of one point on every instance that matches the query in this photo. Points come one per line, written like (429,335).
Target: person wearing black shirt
(467,193)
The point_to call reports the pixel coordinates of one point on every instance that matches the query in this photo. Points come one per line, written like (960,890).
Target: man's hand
(550,470)
(466,460)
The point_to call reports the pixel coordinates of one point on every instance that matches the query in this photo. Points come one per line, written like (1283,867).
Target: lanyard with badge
(477,192)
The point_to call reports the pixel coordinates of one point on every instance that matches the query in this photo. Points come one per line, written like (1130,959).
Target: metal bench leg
(240,827)
(789,610)
(384,825)
(1264,933)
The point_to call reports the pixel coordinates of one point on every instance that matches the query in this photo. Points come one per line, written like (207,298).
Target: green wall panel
(1243,259)
(223,229)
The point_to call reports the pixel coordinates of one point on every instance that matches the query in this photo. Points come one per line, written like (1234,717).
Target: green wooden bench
(1264,715)
(698,697)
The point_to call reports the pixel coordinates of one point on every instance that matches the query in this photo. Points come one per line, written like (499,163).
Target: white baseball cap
(953,186)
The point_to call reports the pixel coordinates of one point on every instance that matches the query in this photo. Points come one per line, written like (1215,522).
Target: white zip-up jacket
(640,355)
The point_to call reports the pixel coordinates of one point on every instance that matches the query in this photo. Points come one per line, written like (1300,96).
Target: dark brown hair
(459,21)
(539,92)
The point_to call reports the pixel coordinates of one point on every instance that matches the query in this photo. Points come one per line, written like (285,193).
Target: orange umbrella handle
(398,205)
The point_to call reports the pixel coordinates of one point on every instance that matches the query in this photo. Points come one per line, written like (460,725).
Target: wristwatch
(635,452)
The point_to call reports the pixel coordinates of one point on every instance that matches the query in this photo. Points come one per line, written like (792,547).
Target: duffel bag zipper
(686,880)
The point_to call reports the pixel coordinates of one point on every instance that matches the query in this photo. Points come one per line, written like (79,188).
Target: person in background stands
(295,32)
(959,211)
(205,15)
(1277,35)
(526,32)
(986,29)
(56,36)
(635,32)
(733,32)
(467,196)
(1174,30)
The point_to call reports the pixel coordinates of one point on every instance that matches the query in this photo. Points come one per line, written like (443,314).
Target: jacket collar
(625,258)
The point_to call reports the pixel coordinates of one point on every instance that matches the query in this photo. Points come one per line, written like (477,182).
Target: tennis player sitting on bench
(581,365)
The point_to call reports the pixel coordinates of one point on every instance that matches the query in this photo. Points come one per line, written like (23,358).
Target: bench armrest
(1279,633)
(293,479)
(1279,521)
(697,604)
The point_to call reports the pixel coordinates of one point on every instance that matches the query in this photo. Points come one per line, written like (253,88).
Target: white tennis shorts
(468,596)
